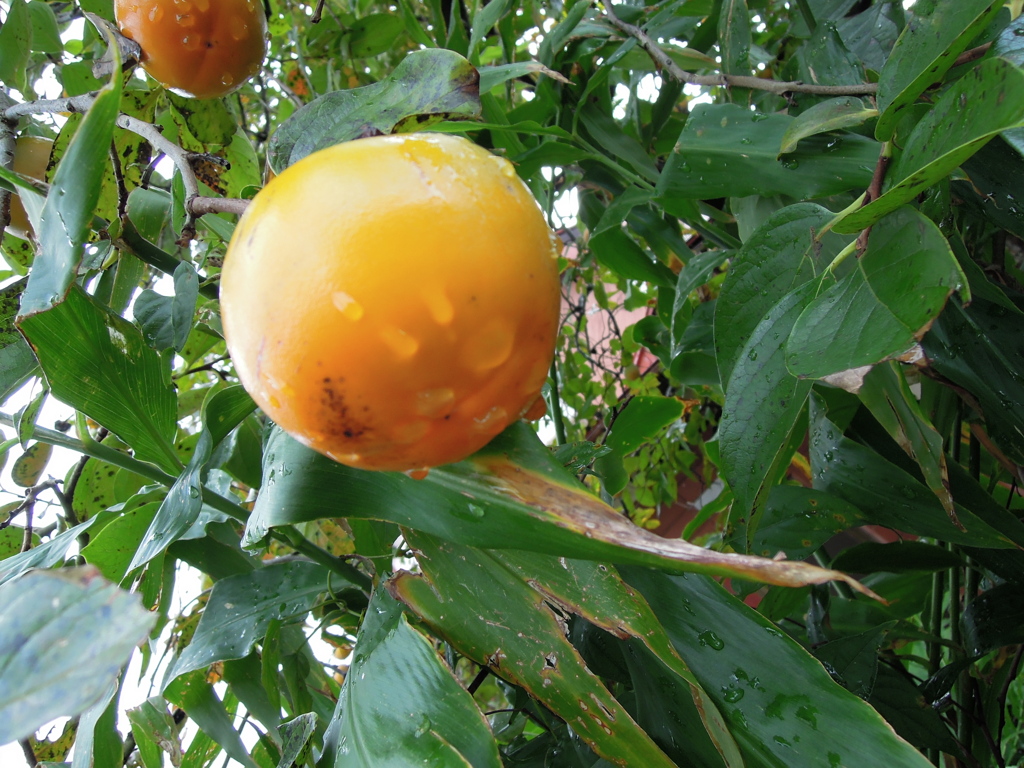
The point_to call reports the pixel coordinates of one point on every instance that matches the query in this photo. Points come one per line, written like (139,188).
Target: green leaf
(45,34)
(887,395)
(15,44)
(112,549)
(503,623)
(196,696)
(780,704)
(728,151)
(17,362)
(492,77)
(900,702)
(29,467)
(513,493)
(881,308)
(829,115)
(898,557)
(994,619)
(762,405)
(889,496)
(201,122)
(25,418)
(166,321)
(935,35)
(155,732)
(241,607)
(734,37)
(976,347)
(434,82)
(49,618)
(484,20)
(98,363)
(401,705)
(852,661)
(798,521)
(642,419)
(69,208)
(987,100)
(620,253)
(784,253)
(46,555)
(372,35)
(297,747)
(609,136)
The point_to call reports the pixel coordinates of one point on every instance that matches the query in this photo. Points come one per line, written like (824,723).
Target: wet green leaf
(935,35)
(15,44)
(881,308)
(49,618)
(728,151)
(16,359)
(829,115)
(432,82)
(987,100)
(98,363)
(797,521)
(166,321)
(780,704)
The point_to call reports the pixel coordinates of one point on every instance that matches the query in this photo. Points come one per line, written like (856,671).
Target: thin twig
(778,87)
(874,191)
(203,205)
(318,12)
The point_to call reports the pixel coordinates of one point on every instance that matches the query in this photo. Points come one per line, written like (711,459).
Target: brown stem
(778,87)
(972,55)
(874,191)
(318,12)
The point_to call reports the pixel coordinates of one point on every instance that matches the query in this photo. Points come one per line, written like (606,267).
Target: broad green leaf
(484,20)
(781,705)
(762,405)
(512,494)
(372,35)
(499,621)
(225,410)
(829,115)
(436,83)
(45,33)
(166,321)
(68,212)
(728,151)
(825,59)
(609,136)
(642,419)
(900,702)
(887,395)
(994,619)
(936,33)
(695,274)
(16,359)
(401,705)
(201,122)
(15,44)
(99,363)
(241,607)
(889,496)
(297,747)
(101,486)
(196,696)
(984,102)
(797,521)
(784,253)
(871,34)
(112,549)
(883,307)
(50,617)
(977,348)
(734,37)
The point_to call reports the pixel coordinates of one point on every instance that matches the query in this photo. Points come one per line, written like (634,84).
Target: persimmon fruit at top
(31,159)
(393,302)
(200,48)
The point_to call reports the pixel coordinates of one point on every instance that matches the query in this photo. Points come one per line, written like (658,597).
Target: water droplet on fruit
(349,459)
(439,305)
(191,42)
(227,79)
(238,28)
(398,341)
(490,347)
(349,307)
(435,403)
(492,422)
(418,474)
(410,432)
(185,20)
(156,13)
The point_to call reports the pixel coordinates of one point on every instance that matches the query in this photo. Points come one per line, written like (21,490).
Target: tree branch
(204,205)
(778,87)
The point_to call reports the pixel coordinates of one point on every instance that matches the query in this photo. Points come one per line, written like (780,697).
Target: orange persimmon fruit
(200,48)
(393,302)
